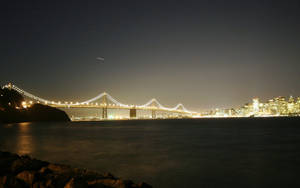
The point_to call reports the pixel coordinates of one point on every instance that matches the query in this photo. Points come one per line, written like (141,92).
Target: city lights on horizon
(277,106)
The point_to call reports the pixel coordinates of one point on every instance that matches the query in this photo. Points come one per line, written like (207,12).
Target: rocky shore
(22,171)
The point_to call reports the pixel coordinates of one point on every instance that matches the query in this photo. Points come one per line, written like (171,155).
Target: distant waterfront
(243,152)
(105,107)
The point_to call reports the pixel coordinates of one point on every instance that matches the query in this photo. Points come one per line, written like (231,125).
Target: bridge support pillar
(104,113)
(153,114)
(132,113)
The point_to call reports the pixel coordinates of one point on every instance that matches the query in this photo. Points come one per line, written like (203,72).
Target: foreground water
(170,153)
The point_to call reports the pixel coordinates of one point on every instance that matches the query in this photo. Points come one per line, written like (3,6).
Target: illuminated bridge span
(104,101)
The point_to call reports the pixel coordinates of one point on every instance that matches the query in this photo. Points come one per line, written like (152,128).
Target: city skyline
(277,106)
(204,54)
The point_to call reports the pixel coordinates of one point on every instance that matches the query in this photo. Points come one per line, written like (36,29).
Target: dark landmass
(23,171)
(12,111)
(37,112)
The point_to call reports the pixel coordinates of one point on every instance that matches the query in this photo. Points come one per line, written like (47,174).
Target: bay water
(241,152)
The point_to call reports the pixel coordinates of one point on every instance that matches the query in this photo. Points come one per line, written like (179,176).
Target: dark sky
(204,54)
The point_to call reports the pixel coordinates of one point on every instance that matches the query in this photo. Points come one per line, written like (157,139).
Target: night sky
(204,54)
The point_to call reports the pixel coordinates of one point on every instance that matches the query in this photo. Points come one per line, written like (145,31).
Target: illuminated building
(278,106)
(255,105)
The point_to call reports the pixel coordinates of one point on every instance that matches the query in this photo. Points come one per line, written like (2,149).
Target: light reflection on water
(25,143)
(170,153)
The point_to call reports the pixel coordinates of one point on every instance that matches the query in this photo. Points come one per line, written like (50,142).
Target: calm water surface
(170,153)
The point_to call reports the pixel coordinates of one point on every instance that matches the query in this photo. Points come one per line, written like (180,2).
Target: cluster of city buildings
(279,106)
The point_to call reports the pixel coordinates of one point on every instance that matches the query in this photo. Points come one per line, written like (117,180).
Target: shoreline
(24,171)
(162,119)
(200,118)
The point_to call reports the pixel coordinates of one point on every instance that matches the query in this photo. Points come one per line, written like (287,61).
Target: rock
(45,170)
(18,166)
(22,171)
(27,177)
(108,175)
(106,182)
(113,183)
(60,169)
(76,183)
(55,180)
(6,159)
(26,163)
(11,182)
(144,185)
(100,185)
(39,185)
(123,184)
(89,175)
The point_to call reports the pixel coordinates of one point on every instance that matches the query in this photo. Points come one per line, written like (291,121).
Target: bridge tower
(104,109)
(153,114)
(154,103)
(132,112)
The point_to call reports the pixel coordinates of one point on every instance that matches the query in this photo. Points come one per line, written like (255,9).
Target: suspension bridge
(104,101)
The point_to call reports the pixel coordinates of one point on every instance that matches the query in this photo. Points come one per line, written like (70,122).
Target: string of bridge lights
(149,104)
